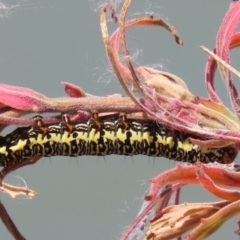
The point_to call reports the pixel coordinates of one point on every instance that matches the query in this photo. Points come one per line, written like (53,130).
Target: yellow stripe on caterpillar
(112,135)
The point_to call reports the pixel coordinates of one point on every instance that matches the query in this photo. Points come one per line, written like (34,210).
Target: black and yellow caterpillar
(113,135)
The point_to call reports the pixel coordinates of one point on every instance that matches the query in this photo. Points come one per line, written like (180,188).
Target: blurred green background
(43,43)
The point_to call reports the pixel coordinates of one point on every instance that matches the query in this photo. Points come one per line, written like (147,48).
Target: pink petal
(21,98)
(73,90)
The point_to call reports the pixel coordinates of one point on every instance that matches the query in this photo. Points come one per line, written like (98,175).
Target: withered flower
(205,118)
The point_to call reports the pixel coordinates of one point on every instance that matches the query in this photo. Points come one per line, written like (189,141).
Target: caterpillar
(112,135)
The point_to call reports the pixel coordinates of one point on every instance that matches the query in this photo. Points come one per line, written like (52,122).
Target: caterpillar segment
(111,135)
